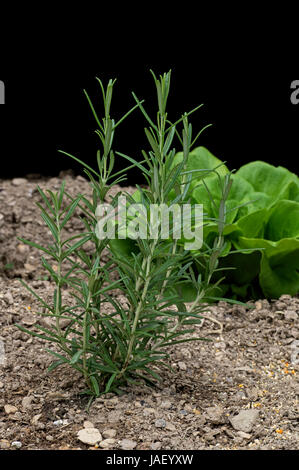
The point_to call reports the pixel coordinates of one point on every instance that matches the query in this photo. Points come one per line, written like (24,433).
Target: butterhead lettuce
(263,215)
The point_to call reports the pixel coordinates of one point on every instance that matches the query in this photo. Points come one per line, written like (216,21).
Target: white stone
(90,436)
(107,443)
(60,422)
(16,444)
(127,444)
(109,433)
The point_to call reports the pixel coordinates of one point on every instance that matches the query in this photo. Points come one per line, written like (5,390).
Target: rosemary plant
(127,342)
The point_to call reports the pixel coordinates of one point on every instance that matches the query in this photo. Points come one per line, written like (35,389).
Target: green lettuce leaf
(276,182)
(279,266)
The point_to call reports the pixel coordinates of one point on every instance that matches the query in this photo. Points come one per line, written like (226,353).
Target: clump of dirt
(239,391)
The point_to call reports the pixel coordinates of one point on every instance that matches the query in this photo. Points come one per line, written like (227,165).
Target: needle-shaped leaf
(93,111)
(81,162)
(70,212)
(141,167)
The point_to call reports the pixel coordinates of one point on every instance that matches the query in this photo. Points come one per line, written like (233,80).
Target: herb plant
(111,342)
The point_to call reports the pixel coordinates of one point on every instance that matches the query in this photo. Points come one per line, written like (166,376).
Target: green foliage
(261,232)
(263,215)
(111,342)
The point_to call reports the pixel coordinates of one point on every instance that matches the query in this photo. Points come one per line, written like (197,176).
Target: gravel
(239,391)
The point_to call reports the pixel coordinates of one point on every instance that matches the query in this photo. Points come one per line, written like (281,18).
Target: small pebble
(10,409)
(88,424)
(127,444)
(156,445)
(290,315)
(4,444)
(22,249)
(90,436)
(16,444)
(244,435)
(18,181)
(160,423)
(26,402)
(107,443)
(245,420)
(60,422)
(109,433)
(2,353)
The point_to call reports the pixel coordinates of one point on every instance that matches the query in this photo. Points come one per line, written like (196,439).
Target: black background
(46,64)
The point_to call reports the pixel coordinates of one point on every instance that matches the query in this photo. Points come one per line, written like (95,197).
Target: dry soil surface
(239,391)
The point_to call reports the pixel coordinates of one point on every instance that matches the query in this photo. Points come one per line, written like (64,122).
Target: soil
(252,365)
